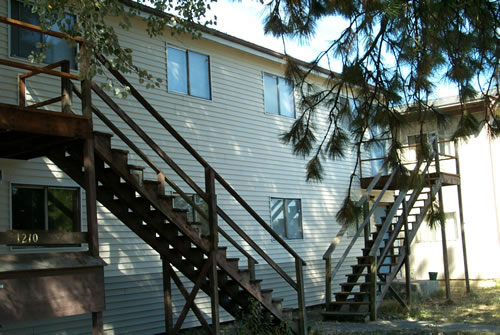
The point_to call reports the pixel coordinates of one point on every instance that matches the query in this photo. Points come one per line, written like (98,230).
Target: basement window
(286,217)
(24,42)
(44,208)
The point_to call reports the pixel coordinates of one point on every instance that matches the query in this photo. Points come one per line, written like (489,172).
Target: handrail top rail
(359,203)
(38,29)
(197,156)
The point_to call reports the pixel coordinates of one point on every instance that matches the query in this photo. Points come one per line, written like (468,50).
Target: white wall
(235,135)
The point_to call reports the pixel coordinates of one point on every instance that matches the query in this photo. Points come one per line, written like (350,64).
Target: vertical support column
(462,222)
(367,229)
(90,177)
(66,89)
(167,296)
(22,92)
(407,256)
(251,268)
(328,281)
(443,229)
(299,270)
(373,288)
(214,240)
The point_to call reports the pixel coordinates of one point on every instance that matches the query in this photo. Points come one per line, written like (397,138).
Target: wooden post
(90,177)
(66,89)
(213,227)
(22,92)
(462,222)
(251,268)
(443,229)
(366,212)
(407,257)
(373,288)
(301,297)
(167,296)
(328,281)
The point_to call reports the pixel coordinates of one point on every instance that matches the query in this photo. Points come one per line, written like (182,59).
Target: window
(278,96)
(192,214)
(45,208)
(286,217)
(24,41)
(188,73)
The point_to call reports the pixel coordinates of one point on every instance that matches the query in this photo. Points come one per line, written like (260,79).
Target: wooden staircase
(146,210)
(98,164)
(385,250)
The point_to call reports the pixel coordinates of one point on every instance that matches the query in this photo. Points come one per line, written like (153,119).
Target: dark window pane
(199,80)
(177,70)
(278,217)
(286,98)
(28,208)
(271,94)
(24,41)
(62,209)
(294,219)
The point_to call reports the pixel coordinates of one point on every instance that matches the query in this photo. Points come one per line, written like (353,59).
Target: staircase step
(348,302)
(120,156)
(152,186)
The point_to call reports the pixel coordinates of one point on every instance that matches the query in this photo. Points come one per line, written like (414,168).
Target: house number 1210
(25,238)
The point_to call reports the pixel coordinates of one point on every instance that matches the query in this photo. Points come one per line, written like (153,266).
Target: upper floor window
(188,73)
(278,96)
(286,217)
(24,42)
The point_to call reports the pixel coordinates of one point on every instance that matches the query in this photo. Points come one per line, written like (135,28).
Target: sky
(244,19)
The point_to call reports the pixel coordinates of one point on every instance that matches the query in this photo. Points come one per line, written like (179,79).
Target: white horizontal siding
(235,135)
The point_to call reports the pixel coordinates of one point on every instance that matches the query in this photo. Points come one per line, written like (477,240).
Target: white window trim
(169,45)
(294,117)
(271,198)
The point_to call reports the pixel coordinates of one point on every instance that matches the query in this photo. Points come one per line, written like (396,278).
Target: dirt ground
(466,313)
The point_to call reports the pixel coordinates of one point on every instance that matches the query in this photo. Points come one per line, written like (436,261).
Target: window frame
(44,62)
(77,226)
(209,74)
(285,200)
(278,77)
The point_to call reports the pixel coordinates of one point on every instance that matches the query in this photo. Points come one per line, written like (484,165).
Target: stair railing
(297,284)
(372,254)
(327,256)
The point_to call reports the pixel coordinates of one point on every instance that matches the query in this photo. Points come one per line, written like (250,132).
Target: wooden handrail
(38,29)
(37,69)
(401,197)
(196,155)
(359,203)
(157,170)
(50,67)
(365,223)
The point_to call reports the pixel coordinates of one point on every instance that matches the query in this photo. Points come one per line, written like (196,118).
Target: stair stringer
(402,256)
(103,152)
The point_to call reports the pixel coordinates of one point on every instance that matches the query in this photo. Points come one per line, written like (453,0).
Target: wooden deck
(27,133)
(448,179)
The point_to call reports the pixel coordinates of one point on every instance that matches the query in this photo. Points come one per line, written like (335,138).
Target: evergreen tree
(393,53)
